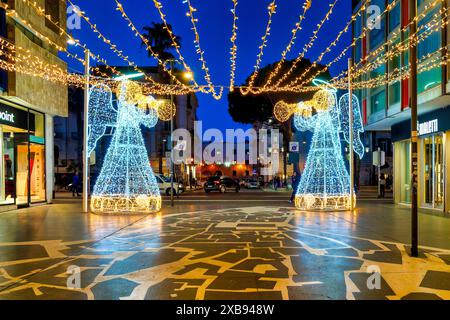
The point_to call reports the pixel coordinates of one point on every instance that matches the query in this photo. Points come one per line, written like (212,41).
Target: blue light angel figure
(126,183)
(325,182)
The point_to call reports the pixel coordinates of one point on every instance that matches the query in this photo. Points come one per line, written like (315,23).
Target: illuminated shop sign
(429,123)
(428,127)
(16,118)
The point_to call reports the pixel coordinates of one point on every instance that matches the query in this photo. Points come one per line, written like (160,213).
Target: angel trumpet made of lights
(126,183)
(325,182)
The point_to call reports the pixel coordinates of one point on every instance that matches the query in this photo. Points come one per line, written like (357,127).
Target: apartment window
(378,101)
(420,2)
(377,34)
(358,51)
(52,10)
(431,78)
(394,16)
(394,66)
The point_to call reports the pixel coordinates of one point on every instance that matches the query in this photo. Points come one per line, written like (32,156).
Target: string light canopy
(16,60)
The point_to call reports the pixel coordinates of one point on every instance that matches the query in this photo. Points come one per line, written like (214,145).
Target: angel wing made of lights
(344,121)
(101,114)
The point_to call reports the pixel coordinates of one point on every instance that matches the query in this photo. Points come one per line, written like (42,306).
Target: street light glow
(129,76)
(188,75)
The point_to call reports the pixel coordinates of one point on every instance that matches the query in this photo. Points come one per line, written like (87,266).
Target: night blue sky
(214,26)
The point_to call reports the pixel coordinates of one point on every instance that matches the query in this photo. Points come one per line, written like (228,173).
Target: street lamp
(187,75)
(129,76)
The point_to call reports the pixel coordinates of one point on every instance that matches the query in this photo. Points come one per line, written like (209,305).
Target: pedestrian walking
(382,185)
(295,180)
(75,184)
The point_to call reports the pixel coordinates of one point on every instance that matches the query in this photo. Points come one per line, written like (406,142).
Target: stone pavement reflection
(245,253)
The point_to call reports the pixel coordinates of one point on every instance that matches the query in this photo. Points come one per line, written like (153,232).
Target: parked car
(252,184)
(221,184)
(165,184)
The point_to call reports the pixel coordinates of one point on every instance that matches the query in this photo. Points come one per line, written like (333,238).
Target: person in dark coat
(295,181)
(76,184)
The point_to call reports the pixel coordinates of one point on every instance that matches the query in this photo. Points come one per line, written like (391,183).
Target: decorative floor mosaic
(248,253)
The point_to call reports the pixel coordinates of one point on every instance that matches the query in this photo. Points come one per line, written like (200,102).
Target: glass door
(8,191)
(434,171)
(22,183)
(439,171)
(37,172)
(405,172)
(428,177)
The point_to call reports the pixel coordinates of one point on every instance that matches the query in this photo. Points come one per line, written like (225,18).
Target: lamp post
(350,125)
(414,135)
(189,76)
(86,133)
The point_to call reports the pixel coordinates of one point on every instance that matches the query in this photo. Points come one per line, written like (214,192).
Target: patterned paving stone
(144,260)
(436,280)
(113,289)
(246,253)
(11,253)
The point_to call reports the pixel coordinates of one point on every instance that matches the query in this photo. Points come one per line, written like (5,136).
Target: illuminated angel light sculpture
(126,183)
(325,182)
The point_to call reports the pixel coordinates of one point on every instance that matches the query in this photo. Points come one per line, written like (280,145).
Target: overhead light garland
(307,46)
(23,61)
(439,21)
(333,43)
(361,68)
(147,44)
(271,10)
(338,58)
(201,53)
(234,48)
(390,42)
(113,47)
(298,27)
(158,5)
(41,12)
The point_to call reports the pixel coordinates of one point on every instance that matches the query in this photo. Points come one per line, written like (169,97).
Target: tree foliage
(159,39)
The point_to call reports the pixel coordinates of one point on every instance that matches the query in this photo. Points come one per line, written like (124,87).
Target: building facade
(28,105)
(385,105)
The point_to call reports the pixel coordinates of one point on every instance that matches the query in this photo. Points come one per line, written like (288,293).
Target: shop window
(22,169)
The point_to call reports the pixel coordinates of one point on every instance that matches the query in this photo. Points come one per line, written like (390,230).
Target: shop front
(22,148)
(434,154)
